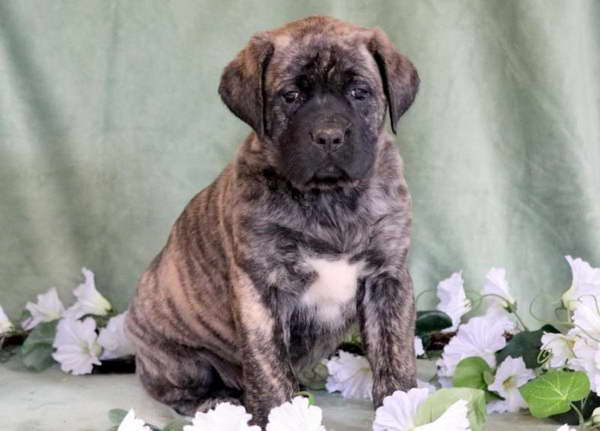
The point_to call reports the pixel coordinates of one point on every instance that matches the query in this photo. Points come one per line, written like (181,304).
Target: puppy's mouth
(329,176)
(329,173)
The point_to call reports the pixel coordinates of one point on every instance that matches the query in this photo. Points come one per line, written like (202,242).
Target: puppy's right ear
(243,80)
(399,76)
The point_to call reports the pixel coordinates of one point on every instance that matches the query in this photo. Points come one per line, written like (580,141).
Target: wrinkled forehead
(322,57)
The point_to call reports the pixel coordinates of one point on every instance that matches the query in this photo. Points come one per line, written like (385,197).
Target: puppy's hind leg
(184,380)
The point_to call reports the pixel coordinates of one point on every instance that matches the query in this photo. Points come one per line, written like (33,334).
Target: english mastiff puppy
(303,234)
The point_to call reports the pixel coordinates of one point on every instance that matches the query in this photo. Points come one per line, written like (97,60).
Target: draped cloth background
(110,122)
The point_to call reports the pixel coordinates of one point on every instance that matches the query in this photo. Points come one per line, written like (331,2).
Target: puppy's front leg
(268,378)
(387,319)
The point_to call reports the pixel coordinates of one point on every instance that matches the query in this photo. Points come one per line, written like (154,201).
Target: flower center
(509,383)
(53,315)
(93,349)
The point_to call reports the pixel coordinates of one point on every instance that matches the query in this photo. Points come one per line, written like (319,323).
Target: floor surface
(54,401)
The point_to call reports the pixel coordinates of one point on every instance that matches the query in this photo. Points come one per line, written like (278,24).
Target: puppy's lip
(329,172)
(327,177)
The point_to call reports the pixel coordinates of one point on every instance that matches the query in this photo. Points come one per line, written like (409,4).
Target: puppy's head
(316,93)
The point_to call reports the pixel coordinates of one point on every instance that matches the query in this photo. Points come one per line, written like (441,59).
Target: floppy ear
(242,83)
(398,75)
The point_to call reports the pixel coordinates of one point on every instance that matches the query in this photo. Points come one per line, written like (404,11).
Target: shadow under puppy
(305,233)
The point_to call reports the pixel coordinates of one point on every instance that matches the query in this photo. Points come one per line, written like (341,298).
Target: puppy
(303,234)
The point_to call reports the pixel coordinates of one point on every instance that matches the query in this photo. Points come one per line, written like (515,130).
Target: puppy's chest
(330,292)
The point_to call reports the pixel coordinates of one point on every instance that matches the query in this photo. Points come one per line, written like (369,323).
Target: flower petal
(76,345)
(399,410)
(585,283)
(89,300)
(496,285)
(453,419)
(224,417)
(453,300)
(351,375)
(5,324)
(481,336)
(510,376)
(560,347)
(47,309)
(296,415)
(130,423)
(419,350)
(114,340)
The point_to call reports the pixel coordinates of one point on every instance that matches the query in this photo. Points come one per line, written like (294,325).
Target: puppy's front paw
(211,403)
(389,385)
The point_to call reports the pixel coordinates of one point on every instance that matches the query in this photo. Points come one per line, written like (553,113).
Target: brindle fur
(217,315)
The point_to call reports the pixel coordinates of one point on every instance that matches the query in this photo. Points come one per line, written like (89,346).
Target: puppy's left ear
(242,83)
(398,75)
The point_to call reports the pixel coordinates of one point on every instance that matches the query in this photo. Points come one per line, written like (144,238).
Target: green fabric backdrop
(110,122)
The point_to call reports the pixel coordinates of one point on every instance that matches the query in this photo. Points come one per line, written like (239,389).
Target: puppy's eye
(291,96)
(359,93)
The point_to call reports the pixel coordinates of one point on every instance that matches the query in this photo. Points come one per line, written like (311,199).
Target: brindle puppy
(305,233)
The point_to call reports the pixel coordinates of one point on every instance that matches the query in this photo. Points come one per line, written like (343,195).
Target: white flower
(89,300)
(351,375)
(419,350)
(76,345)
(587,359)
(224,417)
(5,324)
(496,285)
(444,381)
(585,283)
(114,340)
(296,415)
(481,336)
(453,300)
(455,418)
(47,309)
(510,376)
(496,312)
(560,348)
(426,385)
(130,423)
(566,428)
(596,416)
(399,411)
(586,318)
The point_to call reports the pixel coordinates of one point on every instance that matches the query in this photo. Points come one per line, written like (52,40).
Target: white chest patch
(334,287)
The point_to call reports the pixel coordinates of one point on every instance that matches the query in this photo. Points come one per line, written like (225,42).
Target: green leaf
(36,351)
(553,392)
(492,396)
(315,377)
(434,406)
(525,345)
(426,340)
(101,321)
(309,395)
(39,357)
(550,328)
(431,321)
(488,377)
(116,416)
(470,373)
(42,334)
(585,406)
(176,425)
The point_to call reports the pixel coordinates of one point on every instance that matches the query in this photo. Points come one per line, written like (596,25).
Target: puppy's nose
(329,138)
